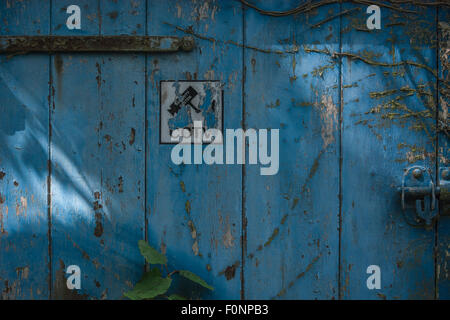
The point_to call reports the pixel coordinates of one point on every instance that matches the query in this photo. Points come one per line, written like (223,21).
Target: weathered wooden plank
(443,246)
(292,239)
(98,155)
(388,125)
(194,211)
(24,272)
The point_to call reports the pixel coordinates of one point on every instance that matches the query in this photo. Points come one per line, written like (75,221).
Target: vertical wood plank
(292,248)
(194,211)
(443,245)
(98,155)
(388,125)
(24,272)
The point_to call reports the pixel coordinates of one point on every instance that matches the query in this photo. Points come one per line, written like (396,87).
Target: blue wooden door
(86,172)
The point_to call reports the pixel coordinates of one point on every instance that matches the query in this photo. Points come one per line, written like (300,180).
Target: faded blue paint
(309,232)
(378,142)
(292,233)
(183,118)
(203,198)
(24,126)
(97,150)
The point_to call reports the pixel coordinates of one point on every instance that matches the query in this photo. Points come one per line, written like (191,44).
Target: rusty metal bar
(419,192)
(24,44)
(442,194)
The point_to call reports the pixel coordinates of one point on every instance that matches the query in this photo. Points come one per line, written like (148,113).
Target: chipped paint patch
(230,271)
(328,115)
(193,231)
(228,239)
(23,272)
(187,207)
(272,237)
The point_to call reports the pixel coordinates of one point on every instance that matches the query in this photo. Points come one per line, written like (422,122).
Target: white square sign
(183,102)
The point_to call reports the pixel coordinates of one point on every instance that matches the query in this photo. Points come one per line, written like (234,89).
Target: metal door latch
(419,191)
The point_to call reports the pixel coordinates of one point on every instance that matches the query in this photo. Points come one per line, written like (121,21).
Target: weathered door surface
(85,152)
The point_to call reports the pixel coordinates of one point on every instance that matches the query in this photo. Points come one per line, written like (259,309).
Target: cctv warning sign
(183,102)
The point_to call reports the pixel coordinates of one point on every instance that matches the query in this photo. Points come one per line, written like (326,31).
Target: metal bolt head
(445,174)
(187,43)
(417,173)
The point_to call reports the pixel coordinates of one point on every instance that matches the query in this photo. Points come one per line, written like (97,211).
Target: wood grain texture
(292,238)
(97,150)
(388,125)
(194,211)
(24,260)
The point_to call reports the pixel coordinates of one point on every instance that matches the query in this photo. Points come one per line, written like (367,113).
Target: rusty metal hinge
(25,44)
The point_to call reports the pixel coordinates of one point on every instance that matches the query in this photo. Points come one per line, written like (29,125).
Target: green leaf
(150,286)
(195,278)
(176,297)
(150,254)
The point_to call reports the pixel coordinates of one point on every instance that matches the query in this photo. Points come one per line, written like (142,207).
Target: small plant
(153,284)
